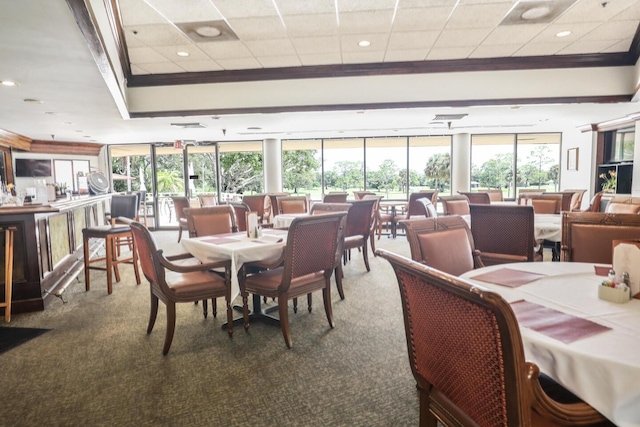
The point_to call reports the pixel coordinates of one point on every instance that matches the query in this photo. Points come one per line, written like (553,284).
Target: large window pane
(386,160)
(301,167)
(538,161)
(430,163)
(492,165)
(241,170)
(169,181)
(132,171)
(343,164)
(201,168)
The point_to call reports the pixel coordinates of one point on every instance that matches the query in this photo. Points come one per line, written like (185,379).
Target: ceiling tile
(279,61)
(160,35)
(630,13)
(170,52)
(245,8)
(412,4)
(138,12)
(366,22)
(311,25)
(541,49)
(622,46)
(137,70)
(495,51)
(349,42)
(548,35)
(362,57)
(311,45)
(225,50)
(320,59)
(131,39)
(508,34)
(593,11)
(298,7)
(618,30)
(460,38)
(258,28)
(420,19)
(274,47)
(586,47)
(449,53)
(199,66)
(163,68)
(145,55)
(478,15)
(360,5)
(239,63)
(413,40)
(186,11)
(405,55)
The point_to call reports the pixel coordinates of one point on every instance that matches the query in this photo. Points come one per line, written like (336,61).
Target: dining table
(394,207)
(240,248)
(590,346)
(283,221)
(547,227)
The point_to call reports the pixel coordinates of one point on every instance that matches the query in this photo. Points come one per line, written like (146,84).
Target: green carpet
(13,337)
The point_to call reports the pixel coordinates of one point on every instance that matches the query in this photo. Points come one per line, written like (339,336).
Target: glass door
(170,181)
(131,170)
(202,170)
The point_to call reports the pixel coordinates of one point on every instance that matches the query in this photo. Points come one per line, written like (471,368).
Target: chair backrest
(503,233)
(211,220)
(589,236)
(312,244)
(180,203)
(455,205)
(524,194)
(477,197)
(325,208)
(545,203)
(429,209)
(359,195)
(124,205)
(271,208)
(465,347)
(292,204)
(240,210)
(443,243)
(255,203)
(360,217)
(415,208)
(207,200)
(431,194)
(616,207)
(495,195)
(148,256)
(576,199)
(335,198)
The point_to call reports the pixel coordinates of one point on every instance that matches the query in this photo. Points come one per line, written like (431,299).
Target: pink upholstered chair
(455,205)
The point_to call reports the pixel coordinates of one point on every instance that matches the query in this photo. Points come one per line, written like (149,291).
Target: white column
(460,162)
(272,165)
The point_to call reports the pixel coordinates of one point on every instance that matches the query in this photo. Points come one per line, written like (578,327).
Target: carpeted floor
(97,366)
(11,337)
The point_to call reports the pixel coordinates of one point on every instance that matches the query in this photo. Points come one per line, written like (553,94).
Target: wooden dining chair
(309,263)
(241,210)
(292,204)
(209,222)
(444,243)
(495,195)
(256,204)
(173,283)
(207,200)
(338,197)
(617,207)
(414,209)
(504,233)
(180,203)
(467,357)
(576,199)
(455,205)
(589,236)
(477,197)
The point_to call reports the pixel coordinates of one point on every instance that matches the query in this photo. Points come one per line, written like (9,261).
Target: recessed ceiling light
(364,43)
(8,83)
(535,13)
(32,101)
(182,53)
(207,31)
(563,33)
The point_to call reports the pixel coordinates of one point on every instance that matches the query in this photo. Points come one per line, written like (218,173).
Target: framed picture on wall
(572,159)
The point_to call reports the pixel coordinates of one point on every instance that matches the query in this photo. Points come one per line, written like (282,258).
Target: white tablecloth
(239,252)
(604,369)
(285,220)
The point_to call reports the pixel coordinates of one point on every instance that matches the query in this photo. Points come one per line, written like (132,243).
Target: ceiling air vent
(207,31)
(188,125)
(536,12)
(448,117)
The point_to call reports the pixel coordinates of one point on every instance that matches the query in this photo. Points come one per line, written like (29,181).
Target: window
(302,167)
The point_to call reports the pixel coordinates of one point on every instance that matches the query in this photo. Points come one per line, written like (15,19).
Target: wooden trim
(13,140)
(61,147)
(634,50)
(113,11)
(385,105)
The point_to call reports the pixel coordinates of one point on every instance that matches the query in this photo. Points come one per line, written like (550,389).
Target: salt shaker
(612,275)
(625,279)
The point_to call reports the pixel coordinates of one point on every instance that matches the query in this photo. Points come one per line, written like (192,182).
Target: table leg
(393,222)
(258,314)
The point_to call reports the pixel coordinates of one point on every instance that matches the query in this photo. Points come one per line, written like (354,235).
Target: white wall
(584,176)
(28,182)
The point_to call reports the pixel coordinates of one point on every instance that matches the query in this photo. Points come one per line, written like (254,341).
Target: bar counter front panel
(48,251)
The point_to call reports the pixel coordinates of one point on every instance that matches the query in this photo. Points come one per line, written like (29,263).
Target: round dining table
(599,360)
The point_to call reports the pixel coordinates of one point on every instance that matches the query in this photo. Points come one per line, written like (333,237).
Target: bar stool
(111,234)
(8,271)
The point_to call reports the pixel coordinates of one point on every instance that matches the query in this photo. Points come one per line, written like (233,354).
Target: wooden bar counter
(48,251)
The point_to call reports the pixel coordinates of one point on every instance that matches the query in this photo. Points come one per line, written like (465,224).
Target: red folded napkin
(602,270)
(553,323)
(508,277)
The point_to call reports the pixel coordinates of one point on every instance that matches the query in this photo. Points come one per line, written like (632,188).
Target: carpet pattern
(97,366)
(11,337)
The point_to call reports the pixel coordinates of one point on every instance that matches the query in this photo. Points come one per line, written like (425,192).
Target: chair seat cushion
(267,282)
(193,284)
(104,230)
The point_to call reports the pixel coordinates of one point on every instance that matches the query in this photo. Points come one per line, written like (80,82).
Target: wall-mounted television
(33,168)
